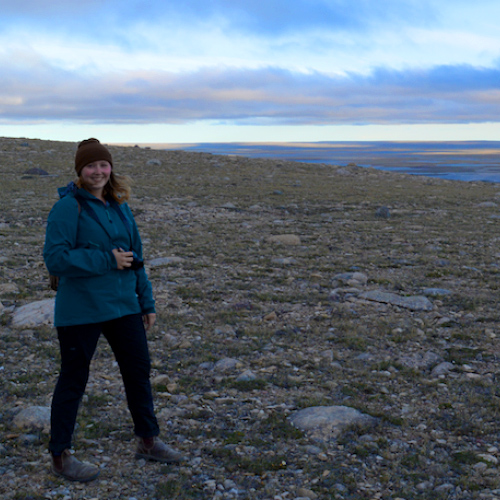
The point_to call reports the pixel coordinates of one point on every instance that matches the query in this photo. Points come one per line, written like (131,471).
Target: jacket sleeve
(144,289)
(61,254)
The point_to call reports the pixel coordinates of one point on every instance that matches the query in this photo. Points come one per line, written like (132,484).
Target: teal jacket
(79,251)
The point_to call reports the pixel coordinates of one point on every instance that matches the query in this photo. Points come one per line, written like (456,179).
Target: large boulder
(34,314)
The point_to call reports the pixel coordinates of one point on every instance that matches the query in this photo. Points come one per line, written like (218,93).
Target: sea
(455,160)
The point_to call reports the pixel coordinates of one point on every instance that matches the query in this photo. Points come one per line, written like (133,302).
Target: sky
(193,71)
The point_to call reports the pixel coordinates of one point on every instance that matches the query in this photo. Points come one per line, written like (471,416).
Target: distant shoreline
(456,160)
(453,160)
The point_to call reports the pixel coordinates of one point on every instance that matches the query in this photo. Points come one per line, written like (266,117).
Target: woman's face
(95,175)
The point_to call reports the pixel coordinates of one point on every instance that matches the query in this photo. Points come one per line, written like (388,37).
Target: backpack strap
(54,280)
(86,205)
(116,206)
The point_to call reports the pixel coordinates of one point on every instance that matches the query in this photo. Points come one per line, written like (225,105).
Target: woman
(92,244)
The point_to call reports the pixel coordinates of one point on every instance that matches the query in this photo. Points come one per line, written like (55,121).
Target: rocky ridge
(323,332)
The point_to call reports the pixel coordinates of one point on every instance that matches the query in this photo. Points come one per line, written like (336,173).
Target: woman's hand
(149,320)
(123,259)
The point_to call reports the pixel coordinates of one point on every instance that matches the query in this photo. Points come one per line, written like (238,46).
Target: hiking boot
(155,449)
(67,466)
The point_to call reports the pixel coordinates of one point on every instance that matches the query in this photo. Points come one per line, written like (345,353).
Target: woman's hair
(118,187)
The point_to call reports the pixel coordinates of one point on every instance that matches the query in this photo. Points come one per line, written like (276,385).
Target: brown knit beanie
(88,151)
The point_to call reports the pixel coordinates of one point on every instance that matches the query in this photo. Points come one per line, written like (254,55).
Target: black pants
(127,339)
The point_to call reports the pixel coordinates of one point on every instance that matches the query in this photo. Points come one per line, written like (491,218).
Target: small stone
(270,317)
(285,239)
(305,493)
(160,380)
(444,487)
(246,376)
(165,261)
(488,458)
(227,364)
(36,171)
(383,213)
(442,369)
(229,206)
(436,292)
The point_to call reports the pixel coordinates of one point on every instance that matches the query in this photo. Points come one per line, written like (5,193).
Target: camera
(136,262)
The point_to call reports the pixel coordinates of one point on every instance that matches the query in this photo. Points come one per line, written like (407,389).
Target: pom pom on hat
(91,150)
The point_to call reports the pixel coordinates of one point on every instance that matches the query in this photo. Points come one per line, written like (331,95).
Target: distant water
(464,160)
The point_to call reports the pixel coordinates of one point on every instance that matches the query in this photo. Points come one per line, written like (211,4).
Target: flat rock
(327,422)
(36,171)
(415,303)
(420,361)
(436,292)
(442,369)
(246,376)
(227,364)
(6,288)
(34,314)
(284,239)
(165,261)
(353,279)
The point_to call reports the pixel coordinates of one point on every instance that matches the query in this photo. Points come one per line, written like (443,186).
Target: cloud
(271,17)
(31,91)
(333,36)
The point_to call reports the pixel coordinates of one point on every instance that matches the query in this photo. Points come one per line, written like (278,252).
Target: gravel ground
(260,315)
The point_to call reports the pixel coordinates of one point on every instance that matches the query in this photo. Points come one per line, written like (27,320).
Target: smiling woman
(95,176)
(92,243)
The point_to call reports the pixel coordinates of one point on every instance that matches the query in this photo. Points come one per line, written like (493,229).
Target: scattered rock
(34,314)
(227,364)
(230,206)
(36,171)
(353,279)
(246,376)
(165,261)
(285,239)
(442,369)
(327,422)
(160,380)
(415,303)
(306,494)
(272,316)
(226,382)
(420,361)
(436,292)
(7,288)
(285,261)
(36,418)
(383,213)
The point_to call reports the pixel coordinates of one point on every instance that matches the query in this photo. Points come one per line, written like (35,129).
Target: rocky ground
(280,287)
